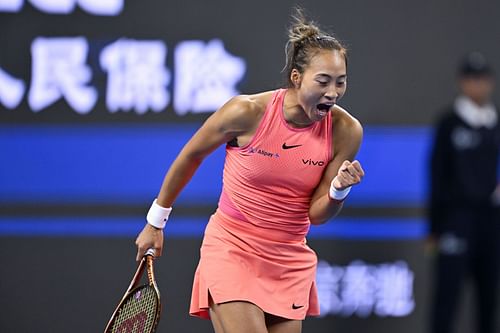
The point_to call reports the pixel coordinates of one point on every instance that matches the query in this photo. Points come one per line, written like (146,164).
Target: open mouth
(323,108)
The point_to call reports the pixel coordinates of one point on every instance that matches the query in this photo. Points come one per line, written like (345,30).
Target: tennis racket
(139,309)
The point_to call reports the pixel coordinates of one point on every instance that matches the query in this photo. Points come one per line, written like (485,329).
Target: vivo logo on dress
(311,162)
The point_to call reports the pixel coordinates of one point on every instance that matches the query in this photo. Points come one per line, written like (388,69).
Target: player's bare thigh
(247,317)
(282,325)
(237,317)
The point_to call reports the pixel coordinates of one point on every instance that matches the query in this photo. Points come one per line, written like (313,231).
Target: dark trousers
(478,258)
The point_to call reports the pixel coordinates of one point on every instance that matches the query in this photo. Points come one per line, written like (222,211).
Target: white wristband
(338,195)
(158,215)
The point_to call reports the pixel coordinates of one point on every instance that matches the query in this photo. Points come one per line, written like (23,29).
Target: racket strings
(137,313)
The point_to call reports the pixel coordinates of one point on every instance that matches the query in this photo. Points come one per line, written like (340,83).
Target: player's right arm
(236,118)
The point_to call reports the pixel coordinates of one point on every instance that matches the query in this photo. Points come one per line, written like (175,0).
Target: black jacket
(464,167)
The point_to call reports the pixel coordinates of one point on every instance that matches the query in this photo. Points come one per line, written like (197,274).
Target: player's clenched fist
(350,173)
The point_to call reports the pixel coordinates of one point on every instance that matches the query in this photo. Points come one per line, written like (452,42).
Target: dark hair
(305,39)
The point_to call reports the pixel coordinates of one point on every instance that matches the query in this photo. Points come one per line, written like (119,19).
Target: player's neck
(293,112)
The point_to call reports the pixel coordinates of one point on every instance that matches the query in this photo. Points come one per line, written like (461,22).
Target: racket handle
(150,252)
(149,256)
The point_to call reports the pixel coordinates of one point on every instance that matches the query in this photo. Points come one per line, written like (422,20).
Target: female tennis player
(289,164)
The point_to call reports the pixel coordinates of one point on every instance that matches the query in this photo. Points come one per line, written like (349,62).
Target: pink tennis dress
(254,248)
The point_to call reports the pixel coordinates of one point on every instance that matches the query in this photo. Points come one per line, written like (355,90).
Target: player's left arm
(342,171)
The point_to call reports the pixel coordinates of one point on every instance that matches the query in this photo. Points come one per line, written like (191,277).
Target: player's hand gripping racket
(139,309)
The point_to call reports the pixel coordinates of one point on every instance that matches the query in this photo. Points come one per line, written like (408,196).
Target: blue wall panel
(180,227)
(124,164)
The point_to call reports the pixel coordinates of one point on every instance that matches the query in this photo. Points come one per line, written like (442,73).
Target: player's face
(322,84)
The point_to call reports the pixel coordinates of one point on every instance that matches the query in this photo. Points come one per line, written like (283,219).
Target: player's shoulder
(345,123)
(246,107)
(254,103)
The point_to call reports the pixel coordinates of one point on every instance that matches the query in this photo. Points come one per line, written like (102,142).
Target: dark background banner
(401,66)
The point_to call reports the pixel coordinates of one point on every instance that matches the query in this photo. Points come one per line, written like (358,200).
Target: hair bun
(301,28)
(304,39)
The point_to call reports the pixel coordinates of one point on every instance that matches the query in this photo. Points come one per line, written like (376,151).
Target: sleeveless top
(269,182)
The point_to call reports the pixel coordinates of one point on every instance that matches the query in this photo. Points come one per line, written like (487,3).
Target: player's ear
(295,77)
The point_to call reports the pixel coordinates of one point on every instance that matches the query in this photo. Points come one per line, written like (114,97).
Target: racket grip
(150,252)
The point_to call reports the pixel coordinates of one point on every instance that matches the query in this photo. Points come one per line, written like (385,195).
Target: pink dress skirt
(267,267)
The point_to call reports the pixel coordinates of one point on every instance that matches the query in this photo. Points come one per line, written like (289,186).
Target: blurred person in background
(464,226)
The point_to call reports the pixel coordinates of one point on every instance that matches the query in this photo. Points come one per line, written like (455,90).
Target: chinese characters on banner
(206,76)
(11,90)
(95,7)
(137,78)
(361,289)
(59,71)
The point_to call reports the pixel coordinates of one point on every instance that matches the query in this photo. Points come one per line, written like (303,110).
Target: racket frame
(145,263)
